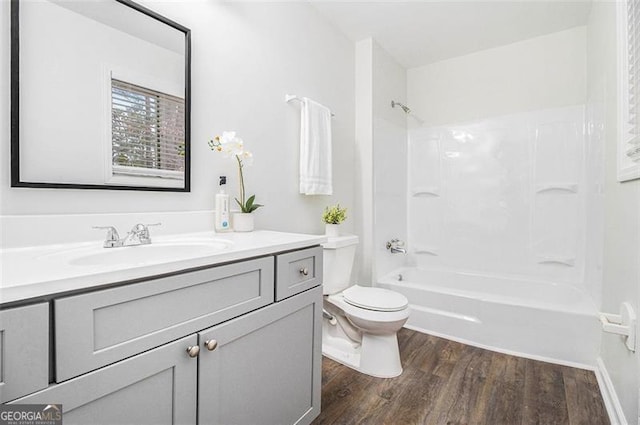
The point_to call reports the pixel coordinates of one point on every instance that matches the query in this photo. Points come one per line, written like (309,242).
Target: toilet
(359,323)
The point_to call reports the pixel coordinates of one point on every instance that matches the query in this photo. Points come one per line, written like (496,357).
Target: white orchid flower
(229,144)
(246,158)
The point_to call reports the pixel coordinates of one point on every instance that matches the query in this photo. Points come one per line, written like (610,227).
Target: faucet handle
(393,243)
(112,235)
(142,230)
(396,246)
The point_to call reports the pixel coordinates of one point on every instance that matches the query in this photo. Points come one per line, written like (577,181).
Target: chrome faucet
(139,235)
(396,246)
(113,238)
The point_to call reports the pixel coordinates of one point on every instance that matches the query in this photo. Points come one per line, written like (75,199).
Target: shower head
(405,108)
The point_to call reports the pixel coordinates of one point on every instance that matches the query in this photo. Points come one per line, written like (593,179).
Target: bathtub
(534,319)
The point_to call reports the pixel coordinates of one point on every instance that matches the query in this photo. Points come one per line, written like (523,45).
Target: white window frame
(133,176)
(627,168)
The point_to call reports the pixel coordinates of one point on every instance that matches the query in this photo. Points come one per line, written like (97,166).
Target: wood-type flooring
(448,383)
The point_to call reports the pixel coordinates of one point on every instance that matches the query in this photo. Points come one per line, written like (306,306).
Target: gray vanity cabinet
(155,388)
(24,350)
(205,346)
(264,367)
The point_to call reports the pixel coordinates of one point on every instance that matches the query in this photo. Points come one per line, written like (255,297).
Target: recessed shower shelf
(557,187)
(422,192)
(565,261)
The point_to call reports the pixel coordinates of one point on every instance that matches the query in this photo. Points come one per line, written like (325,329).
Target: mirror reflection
(103,96)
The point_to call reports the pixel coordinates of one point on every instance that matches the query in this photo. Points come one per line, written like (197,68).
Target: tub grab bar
(621,324)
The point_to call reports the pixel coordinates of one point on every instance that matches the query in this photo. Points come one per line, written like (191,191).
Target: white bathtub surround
(504,195)
(52,269)
(534,319)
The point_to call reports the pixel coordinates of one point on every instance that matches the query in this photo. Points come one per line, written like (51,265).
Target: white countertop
(42,271)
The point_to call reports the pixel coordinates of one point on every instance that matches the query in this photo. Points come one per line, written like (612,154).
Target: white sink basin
(157,252)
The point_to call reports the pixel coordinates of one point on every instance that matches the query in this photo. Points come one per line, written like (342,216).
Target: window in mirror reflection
(147,133)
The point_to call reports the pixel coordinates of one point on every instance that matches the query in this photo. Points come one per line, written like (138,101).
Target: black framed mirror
(100,97)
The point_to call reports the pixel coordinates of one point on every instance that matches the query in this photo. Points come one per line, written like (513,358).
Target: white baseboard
(609,396)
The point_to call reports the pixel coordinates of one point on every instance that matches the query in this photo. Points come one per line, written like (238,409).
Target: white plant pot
(243,222)
(332,230)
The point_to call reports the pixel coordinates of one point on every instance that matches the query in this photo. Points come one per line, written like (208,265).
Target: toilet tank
(339,253)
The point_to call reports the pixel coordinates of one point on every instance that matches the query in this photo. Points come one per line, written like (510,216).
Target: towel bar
(289,97)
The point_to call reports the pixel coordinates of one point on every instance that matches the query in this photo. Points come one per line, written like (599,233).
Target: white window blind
(632,147)
(147,132)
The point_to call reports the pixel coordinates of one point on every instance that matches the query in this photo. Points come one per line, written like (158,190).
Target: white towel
(315,149)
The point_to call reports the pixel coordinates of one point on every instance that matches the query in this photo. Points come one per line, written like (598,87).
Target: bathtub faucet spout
(396,246)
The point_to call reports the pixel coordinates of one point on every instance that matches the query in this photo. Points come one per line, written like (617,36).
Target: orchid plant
(232,146)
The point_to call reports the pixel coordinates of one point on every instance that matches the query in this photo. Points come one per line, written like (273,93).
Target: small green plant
(249,206)
(334,214)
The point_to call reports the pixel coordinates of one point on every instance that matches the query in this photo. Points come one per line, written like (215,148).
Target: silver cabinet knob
(304,271)
(211,344)
(193,351)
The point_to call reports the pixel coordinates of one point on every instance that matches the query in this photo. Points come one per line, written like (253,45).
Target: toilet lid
(378,299)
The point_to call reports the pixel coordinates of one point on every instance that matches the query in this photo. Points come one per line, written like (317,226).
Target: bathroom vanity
(228,338)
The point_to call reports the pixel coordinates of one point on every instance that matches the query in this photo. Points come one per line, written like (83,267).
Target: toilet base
(377,355)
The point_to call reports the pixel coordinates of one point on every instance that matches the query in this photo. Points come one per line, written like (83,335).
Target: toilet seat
(376,299)
(366,314)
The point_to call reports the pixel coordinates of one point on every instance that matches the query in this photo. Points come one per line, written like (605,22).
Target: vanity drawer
(103,327)
(24,350)
(298,271)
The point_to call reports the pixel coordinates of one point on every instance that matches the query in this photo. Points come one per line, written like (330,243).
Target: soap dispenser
(222,208)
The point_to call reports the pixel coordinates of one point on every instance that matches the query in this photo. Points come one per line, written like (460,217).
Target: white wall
(389,160)
(245,58)
(503,135)
(363,164)
(539,73)
(381,136)
(621,266)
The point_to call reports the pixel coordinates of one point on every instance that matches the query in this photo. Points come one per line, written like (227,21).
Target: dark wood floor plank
(507,390)
(455,389)
(584,403)
(544,398)
(448,383)
(344,395)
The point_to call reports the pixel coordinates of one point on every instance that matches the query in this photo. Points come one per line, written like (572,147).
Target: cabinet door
(157,387)
(265,368)
(103,327)
(24,350)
